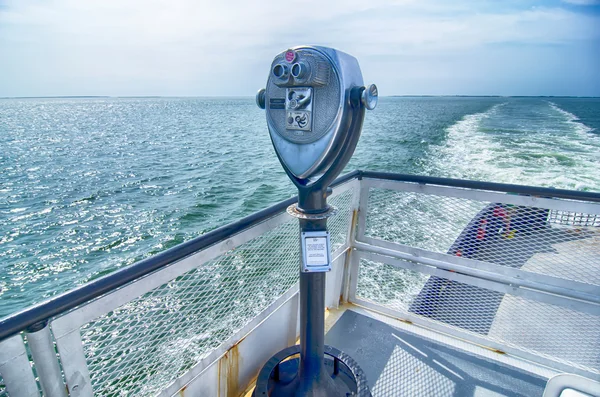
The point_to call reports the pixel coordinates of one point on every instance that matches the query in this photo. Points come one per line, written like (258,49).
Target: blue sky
(198,48)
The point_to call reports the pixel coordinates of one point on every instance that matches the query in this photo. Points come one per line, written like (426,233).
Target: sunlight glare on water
(90,185)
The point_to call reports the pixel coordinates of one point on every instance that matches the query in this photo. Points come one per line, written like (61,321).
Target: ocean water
(90,185)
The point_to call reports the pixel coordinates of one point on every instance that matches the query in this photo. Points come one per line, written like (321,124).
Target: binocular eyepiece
(315,102)
(298,71)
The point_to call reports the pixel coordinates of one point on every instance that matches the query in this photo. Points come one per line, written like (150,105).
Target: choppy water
(91,185)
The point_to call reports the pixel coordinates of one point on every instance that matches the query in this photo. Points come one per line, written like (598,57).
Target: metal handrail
(36,316)
(491,186)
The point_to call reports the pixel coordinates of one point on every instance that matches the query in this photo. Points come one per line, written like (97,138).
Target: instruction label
(315,252)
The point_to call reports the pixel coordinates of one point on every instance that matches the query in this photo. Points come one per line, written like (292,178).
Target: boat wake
(572,119)
(541,145)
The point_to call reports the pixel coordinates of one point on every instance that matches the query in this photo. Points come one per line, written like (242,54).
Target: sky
(225,48)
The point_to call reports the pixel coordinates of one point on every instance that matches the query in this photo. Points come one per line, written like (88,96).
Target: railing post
(363,208)
(359,208)
(46,360)
(354,207)
(16,369)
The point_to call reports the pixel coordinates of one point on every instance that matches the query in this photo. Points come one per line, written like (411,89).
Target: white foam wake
(522,143)
(572,119)
(466,152)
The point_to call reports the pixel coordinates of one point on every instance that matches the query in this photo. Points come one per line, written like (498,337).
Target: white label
(316,251)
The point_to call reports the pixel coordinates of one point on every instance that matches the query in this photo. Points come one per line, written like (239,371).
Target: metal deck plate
(400,363)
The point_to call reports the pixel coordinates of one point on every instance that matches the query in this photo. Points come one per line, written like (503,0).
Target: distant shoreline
(249,96)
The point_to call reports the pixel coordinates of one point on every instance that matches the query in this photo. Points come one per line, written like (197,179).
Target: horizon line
(251,96)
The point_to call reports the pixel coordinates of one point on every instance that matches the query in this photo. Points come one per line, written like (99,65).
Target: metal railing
(147,329)
(424,249)
(484,265)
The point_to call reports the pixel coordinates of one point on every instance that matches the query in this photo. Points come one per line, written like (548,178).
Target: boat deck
(402,359)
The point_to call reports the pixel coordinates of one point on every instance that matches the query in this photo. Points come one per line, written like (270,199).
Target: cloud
(583,2)
(189,47)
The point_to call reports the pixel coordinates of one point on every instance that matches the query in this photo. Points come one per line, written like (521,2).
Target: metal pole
(312,328)
(314,379)
(46,360)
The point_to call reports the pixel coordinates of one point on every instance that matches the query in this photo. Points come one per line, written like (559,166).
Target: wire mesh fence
(557,243)
(566,335)
(418,220)
(143,346)
(562,244)
(339,224)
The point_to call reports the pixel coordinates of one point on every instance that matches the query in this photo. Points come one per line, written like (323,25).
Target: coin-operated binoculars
(315,104)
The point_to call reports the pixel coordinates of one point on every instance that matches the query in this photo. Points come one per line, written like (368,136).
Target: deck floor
(402,363)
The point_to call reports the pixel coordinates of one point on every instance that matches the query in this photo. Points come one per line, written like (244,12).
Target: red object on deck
(481,229)
(500,212)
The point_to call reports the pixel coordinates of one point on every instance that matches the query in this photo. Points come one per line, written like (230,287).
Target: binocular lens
(280,70)
(298,70)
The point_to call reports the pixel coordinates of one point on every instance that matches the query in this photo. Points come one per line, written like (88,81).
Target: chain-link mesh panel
(339,224)
(554,332)
(558,243)
(419,220)
(143,346)
(378,282)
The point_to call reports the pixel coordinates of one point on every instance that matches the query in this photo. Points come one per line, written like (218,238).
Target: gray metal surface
(399,363)
(562,382)
(16,376)
(73,359)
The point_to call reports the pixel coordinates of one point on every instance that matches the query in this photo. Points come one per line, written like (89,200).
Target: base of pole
(279,376)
